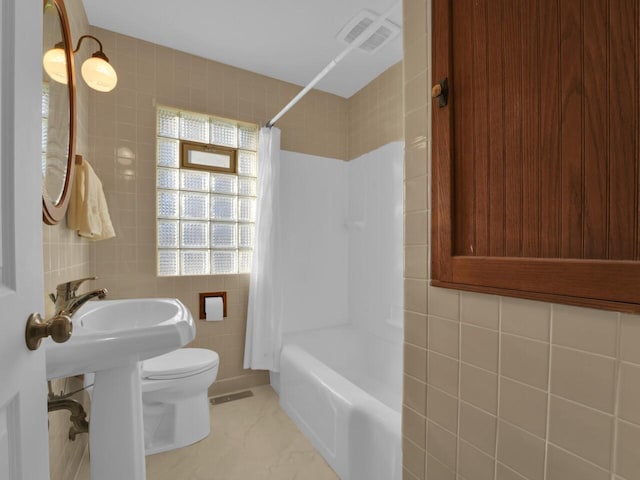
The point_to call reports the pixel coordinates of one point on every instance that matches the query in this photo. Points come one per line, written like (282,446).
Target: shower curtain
(264,315)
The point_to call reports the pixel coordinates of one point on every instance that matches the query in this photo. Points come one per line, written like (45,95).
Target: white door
(24,452)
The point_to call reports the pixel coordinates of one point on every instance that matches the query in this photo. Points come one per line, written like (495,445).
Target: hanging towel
(88,212)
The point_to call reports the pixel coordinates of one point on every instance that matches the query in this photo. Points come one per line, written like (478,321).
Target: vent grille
(358,29)
(357,26)
(380,36)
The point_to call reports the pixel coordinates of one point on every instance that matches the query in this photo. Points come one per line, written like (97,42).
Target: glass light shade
(99,74)
(55,64)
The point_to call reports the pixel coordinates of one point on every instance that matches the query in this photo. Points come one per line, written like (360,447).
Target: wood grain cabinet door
(536,155)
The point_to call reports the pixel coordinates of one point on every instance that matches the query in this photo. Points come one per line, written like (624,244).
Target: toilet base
(169,425)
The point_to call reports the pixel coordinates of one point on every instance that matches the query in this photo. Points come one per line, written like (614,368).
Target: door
(536,160)
(24,451)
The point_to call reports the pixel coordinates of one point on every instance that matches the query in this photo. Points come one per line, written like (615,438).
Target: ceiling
(291,40)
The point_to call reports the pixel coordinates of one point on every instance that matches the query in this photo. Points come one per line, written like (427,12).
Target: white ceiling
(291,40)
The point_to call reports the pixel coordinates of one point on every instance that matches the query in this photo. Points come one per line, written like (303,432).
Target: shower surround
(340,374)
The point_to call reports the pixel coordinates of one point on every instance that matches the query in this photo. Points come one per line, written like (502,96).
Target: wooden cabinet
(536,157)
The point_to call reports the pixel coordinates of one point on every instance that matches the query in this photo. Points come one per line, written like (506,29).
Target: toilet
(175,403)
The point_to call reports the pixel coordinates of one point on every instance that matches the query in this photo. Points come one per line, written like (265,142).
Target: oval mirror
(58,112)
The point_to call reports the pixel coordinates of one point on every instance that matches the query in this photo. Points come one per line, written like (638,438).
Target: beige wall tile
(479,388)
(413,458)
(414,427)
(415,160)
(415,261)
(586,329)
(415,329)
(505,473)
(479,347)
(521,451)
(444,336)
(443,373)
(436,470)
(444,303)
(478,428)
(479,309)
(415,394)
(415,55)
(415,18)
(523,406)
(629,406)
(407,475)
(630,338)
(442,409)
(474,464)
(525,360)
(415,93)
(442,445)
(375,113)
(416,125)
(415,361)
(627,458)
(415,228)
(415,194)
(584,378)
(581,430)
(415,299)
(562,465)
(526,318)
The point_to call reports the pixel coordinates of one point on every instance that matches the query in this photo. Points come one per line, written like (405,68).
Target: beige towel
(88,212)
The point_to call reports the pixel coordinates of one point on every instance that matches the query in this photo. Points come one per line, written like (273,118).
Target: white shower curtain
(264,316)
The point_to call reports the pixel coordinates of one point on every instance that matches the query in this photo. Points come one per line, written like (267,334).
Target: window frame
(242,191)
(187,146)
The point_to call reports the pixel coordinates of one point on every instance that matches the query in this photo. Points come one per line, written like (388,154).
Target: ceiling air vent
(353,32)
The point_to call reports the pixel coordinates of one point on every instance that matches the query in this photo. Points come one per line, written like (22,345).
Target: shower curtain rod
(356,43)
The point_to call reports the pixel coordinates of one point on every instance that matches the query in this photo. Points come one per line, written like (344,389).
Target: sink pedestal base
(116,433)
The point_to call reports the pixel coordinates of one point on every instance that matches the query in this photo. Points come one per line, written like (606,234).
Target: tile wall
(502,388)
(375,113)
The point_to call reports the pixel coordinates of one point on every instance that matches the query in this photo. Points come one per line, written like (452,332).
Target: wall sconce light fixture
(97,72)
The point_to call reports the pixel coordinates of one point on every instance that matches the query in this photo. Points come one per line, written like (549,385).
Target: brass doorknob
(59,328)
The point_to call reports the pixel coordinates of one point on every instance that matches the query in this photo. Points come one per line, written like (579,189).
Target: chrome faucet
(66,300)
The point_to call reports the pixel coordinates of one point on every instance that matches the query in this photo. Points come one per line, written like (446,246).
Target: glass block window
(205,219)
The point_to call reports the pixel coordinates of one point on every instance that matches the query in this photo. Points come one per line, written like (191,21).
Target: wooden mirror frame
(53,213)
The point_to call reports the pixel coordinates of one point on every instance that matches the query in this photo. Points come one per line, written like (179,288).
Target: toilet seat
(180,363)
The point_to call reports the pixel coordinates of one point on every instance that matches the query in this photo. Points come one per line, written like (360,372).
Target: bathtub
(340,388)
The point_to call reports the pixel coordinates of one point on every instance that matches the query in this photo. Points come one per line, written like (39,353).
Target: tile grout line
(613,455)
(495,451)
(578,456)
(459,402)
(548,422)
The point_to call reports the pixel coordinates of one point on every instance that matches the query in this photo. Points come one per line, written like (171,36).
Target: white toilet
(175,403)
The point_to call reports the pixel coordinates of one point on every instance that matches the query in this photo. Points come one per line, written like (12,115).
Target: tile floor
(251,439)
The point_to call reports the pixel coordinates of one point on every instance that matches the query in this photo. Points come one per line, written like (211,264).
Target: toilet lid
(183,362)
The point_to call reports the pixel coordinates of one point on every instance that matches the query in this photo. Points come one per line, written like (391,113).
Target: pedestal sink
(111,338)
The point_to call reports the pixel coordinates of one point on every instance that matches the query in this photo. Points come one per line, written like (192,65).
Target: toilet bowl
(175,403)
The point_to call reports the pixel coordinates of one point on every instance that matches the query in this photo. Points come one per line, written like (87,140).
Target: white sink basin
(111,338)
(112,333)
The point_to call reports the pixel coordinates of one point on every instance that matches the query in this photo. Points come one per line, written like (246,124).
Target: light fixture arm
(88,36)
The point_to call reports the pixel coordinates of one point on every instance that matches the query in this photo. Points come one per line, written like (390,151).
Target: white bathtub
(343,391)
